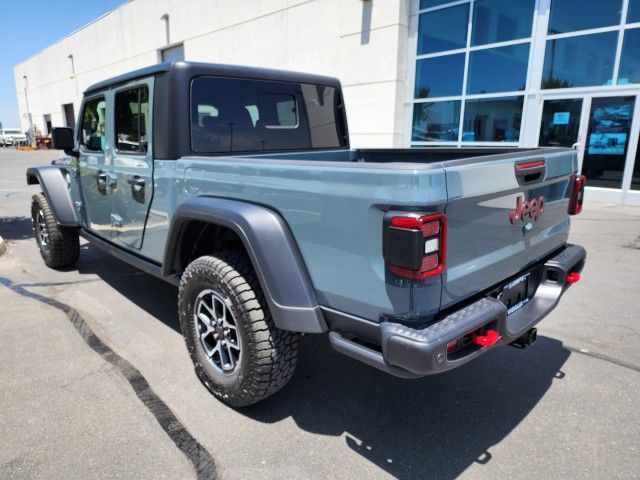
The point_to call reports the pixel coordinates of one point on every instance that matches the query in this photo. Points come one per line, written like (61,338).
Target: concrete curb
(3,246)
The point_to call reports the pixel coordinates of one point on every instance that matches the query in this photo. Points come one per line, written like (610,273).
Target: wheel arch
(56,190)
(269,245)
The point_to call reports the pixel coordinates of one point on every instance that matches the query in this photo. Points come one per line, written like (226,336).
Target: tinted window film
(132,120)
(324,113)
(492,120)
(92,131)
(501,20)
(487,69)
(285,114)
(607,141)
(439,76)
(572,15)
(580,61)
(635,178)
(633,13)
(436,121)
(232,115)
(630,60)
(560,122)
(444,29)
(431,3)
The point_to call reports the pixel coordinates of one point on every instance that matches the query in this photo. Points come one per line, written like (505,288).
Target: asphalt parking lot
(95,381)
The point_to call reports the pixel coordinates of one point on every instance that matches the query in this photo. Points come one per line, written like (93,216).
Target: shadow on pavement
(157,297)
(434,427)
(15,228)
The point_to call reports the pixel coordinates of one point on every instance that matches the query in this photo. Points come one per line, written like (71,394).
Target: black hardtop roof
(194,69)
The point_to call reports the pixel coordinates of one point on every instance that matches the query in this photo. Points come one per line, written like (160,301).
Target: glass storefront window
(444,29)
(560,122)
(630,59)
(439,76)
(487,69)
(572,15)
(633,12)
(436,121)
(581,61)
(607,141)
(492,119)
(635,178)
(432,3)
(501,20)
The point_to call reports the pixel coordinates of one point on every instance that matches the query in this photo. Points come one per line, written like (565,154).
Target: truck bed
(428,155)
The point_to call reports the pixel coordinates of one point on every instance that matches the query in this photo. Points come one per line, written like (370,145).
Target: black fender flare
(56,189)
(272,250)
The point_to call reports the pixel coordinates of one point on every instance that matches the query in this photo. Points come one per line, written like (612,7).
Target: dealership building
(415,73)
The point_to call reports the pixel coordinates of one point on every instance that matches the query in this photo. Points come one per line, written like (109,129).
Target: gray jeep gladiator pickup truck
(238,185)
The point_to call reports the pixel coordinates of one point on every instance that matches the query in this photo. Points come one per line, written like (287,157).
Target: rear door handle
(101,181)
(136,181)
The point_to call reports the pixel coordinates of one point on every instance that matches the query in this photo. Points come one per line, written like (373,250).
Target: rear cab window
(93,124)
(244,115)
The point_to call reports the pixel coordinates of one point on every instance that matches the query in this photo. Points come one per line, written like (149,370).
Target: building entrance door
(607,141)
(603,131)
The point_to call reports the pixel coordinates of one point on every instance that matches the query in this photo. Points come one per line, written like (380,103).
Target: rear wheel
(238,352)
(59,246)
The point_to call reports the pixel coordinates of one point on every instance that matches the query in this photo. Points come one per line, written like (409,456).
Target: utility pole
(26,101)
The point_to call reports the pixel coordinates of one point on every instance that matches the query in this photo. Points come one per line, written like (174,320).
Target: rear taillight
(414,246)
(577,194)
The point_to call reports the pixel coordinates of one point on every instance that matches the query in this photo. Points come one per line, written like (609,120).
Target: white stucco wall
(363,43)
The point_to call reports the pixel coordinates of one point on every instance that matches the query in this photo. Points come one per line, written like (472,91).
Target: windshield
(13,132)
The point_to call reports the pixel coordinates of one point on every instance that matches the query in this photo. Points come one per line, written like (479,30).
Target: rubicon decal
(532,209)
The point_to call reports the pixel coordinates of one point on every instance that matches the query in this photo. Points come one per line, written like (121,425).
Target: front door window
(607,141)
(560,122)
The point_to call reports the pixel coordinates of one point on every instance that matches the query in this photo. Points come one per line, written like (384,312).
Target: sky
(28,26)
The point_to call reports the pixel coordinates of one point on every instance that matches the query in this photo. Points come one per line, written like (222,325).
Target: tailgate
(484,247)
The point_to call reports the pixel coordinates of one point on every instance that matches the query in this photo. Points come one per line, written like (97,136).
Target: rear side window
(239,115)
(322,103)
(132,120)
(92,131)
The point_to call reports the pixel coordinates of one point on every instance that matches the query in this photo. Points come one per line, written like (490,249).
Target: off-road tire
(268,356)
(63,244)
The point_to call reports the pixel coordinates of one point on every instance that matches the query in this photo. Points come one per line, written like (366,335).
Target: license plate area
(516,293)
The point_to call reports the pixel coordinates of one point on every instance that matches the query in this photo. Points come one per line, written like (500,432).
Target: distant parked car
(11,136)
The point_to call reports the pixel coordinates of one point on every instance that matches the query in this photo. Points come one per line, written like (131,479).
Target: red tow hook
(489,338)
(572,277)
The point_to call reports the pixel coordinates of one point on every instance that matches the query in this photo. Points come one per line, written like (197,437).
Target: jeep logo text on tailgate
(532,209)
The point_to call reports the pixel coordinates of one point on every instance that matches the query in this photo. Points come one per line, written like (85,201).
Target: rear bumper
(411,353)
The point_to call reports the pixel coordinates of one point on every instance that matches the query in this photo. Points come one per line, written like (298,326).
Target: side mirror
(62,138)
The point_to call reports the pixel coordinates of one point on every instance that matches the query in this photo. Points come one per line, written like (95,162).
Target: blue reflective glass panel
(630,59)
(431,3)
(580,61)
(608,140)
(633,13)
(442,30)
(572,15)
(501,69)
(436,121)
(501,20)
(439,76)
(492,120)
